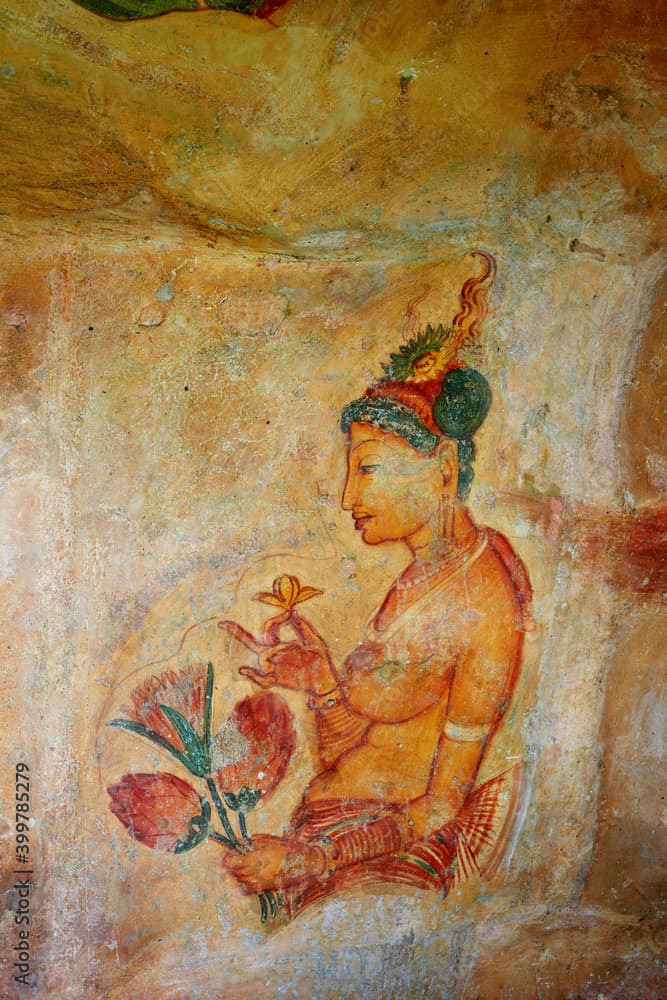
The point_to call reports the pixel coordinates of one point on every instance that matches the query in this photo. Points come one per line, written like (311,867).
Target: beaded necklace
(449,560)
(403,598)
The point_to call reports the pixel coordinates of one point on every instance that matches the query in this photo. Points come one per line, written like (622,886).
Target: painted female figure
(404,722)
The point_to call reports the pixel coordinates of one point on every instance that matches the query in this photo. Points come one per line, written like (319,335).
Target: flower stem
(244,829)
(219,839)
(222,812)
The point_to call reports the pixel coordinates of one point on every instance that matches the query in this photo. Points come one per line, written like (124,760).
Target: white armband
(466,734)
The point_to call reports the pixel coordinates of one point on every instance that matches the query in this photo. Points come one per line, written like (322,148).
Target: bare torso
(449,652)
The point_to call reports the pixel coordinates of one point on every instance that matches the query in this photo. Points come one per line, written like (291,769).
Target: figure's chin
(369,537)
(371,532)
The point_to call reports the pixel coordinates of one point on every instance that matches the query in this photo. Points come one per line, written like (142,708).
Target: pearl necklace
(448,560)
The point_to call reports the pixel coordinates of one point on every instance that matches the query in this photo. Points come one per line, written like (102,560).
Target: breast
(417,736)
(393,763)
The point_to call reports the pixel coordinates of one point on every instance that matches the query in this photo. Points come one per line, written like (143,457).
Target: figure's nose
(349,500)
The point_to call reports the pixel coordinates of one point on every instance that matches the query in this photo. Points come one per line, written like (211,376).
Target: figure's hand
(274,862)
(427,814)
(300,665)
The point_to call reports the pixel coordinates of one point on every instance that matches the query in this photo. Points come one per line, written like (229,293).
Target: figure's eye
(369,468)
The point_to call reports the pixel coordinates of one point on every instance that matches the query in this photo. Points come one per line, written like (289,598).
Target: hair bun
(463,403)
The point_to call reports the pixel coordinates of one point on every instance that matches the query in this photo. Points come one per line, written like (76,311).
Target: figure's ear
(447,458)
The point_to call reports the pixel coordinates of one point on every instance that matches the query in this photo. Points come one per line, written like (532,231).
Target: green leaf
(131,10)
(197,756)
(247,799)
(198,829)
(141,730)
(208,703)
(230,800)
(224,818)
(244,801)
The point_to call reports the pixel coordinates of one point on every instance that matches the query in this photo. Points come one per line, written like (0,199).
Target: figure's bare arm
(480,691)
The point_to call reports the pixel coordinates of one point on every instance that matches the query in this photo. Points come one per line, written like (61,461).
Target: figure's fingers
(276,654)
(234,863)
(308,635)
(272,628)
(259,677)
(242,635)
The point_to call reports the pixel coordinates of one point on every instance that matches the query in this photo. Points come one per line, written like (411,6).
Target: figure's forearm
(379,836)
(456,766)
(430,813)
(338,728)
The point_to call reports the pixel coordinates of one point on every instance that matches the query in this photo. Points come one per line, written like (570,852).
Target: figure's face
(393,491)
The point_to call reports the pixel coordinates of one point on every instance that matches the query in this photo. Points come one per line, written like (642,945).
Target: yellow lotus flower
(287,591)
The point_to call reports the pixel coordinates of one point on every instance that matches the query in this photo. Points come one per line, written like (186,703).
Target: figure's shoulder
(499,579)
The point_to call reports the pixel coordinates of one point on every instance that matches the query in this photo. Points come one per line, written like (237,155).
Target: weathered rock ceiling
(344,128)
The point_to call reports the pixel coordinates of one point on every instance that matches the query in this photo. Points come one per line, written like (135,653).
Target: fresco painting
(402,726)
(333,484)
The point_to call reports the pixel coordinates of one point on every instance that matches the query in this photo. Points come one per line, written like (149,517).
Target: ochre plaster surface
(212,228)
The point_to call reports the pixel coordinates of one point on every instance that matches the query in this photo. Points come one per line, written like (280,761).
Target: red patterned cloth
(368,842)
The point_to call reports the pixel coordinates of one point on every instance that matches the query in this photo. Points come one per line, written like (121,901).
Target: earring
(446,518)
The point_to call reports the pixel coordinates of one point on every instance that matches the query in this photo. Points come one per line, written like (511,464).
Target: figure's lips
(361,520)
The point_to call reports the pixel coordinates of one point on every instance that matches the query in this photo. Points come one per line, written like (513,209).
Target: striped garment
(369,843)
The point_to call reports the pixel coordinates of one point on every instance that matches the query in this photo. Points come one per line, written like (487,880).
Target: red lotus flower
(157,809)
(254,747)
(184,690)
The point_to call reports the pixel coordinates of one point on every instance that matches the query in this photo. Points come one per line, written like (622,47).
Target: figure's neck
(434,543)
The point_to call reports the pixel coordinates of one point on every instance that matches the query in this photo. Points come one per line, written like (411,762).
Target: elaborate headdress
(426,393)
